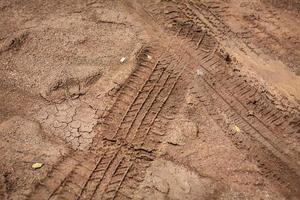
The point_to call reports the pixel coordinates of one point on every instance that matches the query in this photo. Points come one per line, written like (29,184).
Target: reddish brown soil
(156,99)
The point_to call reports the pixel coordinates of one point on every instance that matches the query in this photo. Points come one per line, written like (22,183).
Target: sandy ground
(150,99)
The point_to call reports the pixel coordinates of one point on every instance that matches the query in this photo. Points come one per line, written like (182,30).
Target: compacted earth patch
(155,99)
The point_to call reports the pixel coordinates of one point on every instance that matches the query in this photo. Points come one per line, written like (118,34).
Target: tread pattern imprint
(132,130)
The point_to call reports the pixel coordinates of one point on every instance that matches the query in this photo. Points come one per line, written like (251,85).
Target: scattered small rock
(200,72)
(250,113)
(123,59)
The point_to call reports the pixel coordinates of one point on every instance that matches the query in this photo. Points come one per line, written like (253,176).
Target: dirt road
(150,100)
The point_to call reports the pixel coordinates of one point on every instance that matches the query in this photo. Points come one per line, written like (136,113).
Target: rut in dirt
(132,130)
(131,133)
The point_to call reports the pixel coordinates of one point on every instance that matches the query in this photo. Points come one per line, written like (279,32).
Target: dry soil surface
(154,99)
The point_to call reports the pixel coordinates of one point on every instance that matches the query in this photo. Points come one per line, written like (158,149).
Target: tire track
(128,133)
(262,126)
(129,138)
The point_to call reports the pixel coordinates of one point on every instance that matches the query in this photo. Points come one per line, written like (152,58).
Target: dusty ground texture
(156,99)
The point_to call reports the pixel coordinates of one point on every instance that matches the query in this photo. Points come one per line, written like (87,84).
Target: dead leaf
(236,129)
(37,165)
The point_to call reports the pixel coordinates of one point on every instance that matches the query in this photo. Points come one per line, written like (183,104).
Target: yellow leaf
(237,129)
(37,165)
